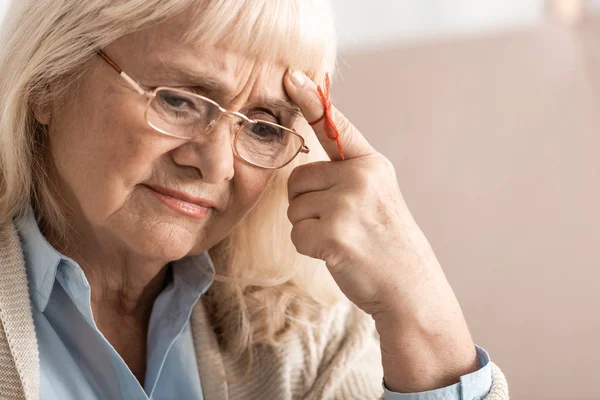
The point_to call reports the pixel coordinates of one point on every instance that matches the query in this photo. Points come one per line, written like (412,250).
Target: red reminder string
(330,129)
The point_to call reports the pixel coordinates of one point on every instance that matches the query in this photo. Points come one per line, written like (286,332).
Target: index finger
(303,92)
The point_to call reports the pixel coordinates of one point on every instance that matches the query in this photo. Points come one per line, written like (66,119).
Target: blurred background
(489,110)
(3,8)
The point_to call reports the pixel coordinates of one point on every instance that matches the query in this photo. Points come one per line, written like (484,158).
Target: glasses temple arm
(135,86)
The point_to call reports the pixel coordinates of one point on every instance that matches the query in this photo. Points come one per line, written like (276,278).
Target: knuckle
(363,178)
(315,170)
(344,204)
(335,246)
(335,233)
(299,240)
(343,124)
(314,100)
(290,213)
(385,163)
(294,181)
(294,175)
(295,235)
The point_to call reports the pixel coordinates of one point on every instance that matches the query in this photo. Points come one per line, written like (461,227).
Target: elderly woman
(152,156)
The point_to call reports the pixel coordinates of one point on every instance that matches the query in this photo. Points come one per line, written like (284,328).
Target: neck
(121,283)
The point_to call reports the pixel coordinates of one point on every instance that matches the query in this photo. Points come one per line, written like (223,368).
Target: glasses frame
(151,95)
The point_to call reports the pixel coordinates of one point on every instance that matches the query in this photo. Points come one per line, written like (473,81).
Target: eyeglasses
(185,115)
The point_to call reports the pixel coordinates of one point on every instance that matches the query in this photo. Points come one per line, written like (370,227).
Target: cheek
(101,151)
(250,184)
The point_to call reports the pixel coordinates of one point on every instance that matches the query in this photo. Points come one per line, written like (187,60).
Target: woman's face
(107,159)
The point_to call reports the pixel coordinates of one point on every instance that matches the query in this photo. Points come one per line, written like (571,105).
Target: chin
(166,242)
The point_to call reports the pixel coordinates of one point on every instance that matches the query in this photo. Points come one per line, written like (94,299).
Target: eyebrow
(208,85)
(284,108)
(214,88)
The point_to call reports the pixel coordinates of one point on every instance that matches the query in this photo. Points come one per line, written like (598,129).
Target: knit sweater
(336,358)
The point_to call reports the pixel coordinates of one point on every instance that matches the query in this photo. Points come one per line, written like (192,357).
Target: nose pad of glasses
(211,124)
(231,116)
(215,122)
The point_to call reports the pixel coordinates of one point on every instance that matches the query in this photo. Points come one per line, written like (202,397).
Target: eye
(264,132)
(181,108)
(176,101)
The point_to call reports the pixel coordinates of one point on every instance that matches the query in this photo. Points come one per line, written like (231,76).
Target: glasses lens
(186,115)
(267,145)
(181,114)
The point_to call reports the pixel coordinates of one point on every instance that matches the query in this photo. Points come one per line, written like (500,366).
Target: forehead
(160,53)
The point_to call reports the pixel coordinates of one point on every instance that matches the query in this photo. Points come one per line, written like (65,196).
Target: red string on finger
(331,129)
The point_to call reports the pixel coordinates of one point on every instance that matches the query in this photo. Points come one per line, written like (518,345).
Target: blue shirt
(77,362)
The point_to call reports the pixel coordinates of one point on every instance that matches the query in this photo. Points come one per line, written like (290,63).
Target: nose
(211,153)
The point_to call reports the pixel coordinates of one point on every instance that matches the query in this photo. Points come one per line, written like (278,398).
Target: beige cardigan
(338,360)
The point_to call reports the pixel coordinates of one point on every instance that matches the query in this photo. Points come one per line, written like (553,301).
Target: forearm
(426,347)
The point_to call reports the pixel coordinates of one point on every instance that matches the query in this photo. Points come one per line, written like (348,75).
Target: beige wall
(496,142)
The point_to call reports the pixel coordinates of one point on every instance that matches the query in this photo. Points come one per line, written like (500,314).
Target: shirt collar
(196,271)
(42,261)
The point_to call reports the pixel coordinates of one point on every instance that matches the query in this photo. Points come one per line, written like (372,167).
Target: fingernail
(298,78)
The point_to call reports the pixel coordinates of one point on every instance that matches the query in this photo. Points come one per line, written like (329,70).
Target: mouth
(182,203)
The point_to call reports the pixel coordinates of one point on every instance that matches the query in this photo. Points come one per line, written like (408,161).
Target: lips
(183,203)
(184,197)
